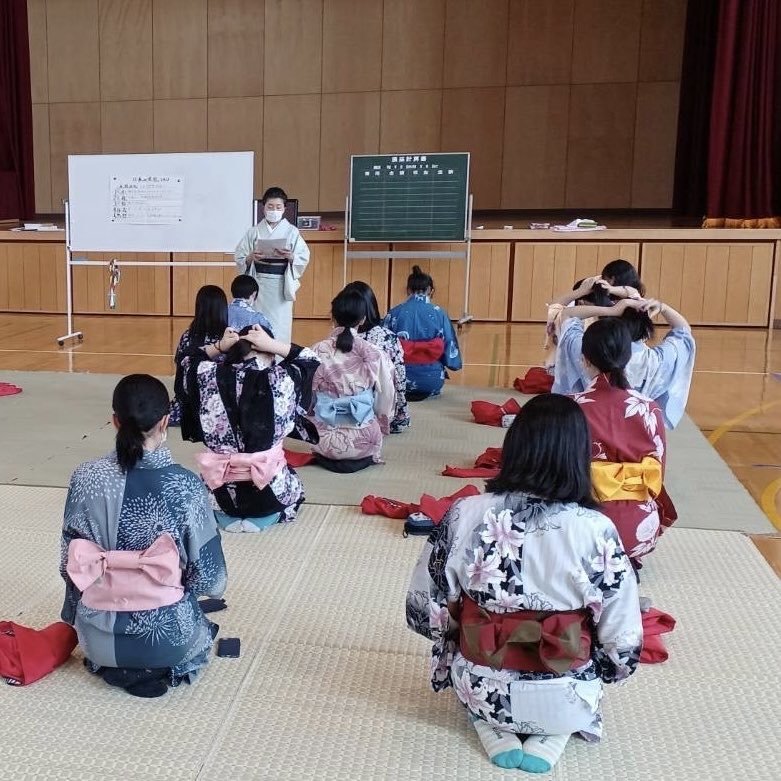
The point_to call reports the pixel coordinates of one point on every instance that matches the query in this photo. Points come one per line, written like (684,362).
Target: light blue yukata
(418,321)
(241,314)
(128,512)
(662,373)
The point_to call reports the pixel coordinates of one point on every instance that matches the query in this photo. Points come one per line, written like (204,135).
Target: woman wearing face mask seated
(354,391)
(277,269)
(247,404)
(139,544)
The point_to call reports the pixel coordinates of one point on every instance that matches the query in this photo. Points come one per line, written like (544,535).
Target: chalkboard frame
(390,238)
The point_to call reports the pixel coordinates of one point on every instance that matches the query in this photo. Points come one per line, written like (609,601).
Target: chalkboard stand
(465,254)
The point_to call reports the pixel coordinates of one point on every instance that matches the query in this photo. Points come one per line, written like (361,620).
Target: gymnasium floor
(331,685)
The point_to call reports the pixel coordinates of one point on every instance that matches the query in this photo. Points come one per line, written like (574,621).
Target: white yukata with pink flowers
(511,552)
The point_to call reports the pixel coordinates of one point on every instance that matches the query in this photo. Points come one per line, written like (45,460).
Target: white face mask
(273,216)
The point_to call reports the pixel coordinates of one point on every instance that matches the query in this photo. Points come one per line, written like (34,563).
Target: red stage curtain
(17,193)
(742,163)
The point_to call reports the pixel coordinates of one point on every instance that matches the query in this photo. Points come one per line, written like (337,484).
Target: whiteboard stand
(71,334)
(465,254)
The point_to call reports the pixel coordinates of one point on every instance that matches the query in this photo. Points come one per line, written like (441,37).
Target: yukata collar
(420,297)
(156,459)
(243,303)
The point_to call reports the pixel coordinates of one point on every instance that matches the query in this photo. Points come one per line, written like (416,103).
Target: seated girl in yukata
(532,558)
(247,404)
(141,628)
(427,337)
(354,391)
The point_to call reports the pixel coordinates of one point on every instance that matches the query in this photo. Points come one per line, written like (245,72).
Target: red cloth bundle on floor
(488,414)
(6,389)
(655,624)
(536,380)
(433,508)
(27,655)
(486,466)
(296,458)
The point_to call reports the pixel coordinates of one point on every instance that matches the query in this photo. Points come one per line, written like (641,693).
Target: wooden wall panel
(352,46)
(126,50)
(606,45)
(141,291)
(476,43)
(5,298)
(599,159)
(42,158)
(180,125)
(293,47)
(236,45)
(413,40)
(39,68)
(661,40)
(473,121)
(350,126)
(291,147)
(127,126)
(236,125)
(711,284)
(32,277)
(188,281)
(542,271)
(72,50)
(324,278)
(534,164)
(655,139)
(180,49)
(411,121)
(74,129)
(540,41)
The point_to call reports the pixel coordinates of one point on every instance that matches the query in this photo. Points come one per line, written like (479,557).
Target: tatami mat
(62,419)
(332,685)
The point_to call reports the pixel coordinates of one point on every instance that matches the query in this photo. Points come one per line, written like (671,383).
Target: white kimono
(277,292)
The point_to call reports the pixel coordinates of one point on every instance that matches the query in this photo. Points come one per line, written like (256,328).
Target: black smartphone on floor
(212,605)
(229,647)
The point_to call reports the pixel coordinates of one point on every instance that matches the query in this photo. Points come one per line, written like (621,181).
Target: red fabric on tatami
(432,507)
(297,458)
(489,414)
(487,465)
(536,380)
(7,389)
(27,655)
(655,624)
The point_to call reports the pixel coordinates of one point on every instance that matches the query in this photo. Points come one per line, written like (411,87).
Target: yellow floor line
(768,502)
(718,433)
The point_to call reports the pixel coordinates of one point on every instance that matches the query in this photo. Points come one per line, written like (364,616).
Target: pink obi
(124,579)
(261,468)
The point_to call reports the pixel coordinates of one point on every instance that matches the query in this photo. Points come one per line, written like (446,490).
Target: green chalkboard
(409,197)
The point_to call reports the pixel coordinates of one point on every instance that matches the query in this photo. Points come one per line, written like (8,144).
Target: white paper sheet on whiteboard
(147,200)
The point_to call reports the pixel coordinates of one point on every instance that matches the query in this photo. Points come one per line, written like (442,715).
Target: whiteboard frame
(217,202)
(467,205)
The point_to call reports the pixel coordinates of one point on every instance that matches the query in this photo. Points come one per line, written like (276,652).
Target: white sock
(542,752)
(503,748)
(234,526)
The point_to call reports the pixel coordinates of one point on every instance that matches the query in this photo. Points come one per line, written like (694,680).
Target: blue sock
(503,748)
(262,522)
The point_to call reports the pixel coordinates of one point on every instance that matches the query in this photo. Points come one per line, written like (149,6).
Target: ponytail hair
(607,345)
(348,309)
(140,402)
(419,282)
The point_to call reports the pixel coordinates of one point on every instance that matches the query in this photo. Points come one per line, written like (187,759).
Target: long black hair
(419,281)
(621,273)
(211,315)
(372,313)
(547,452)
(607,346)
(347,311)
(640,325)
(140,402)
(240,350)
(597,296)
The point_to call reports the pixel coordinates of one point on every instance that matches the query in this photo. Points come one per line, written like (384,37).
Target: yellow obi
(635,482)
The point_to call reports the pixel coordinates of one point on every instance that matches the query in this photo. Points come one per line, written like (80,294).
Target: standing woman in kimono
(427,337)
(247,404)
(139,545)
(278,277)
(354,391)
(530,558)
(374,332)
(662,373)
(627,436)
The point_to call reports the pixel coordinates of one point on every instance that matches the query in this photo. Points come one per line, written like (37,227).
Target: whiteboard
(208,206)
